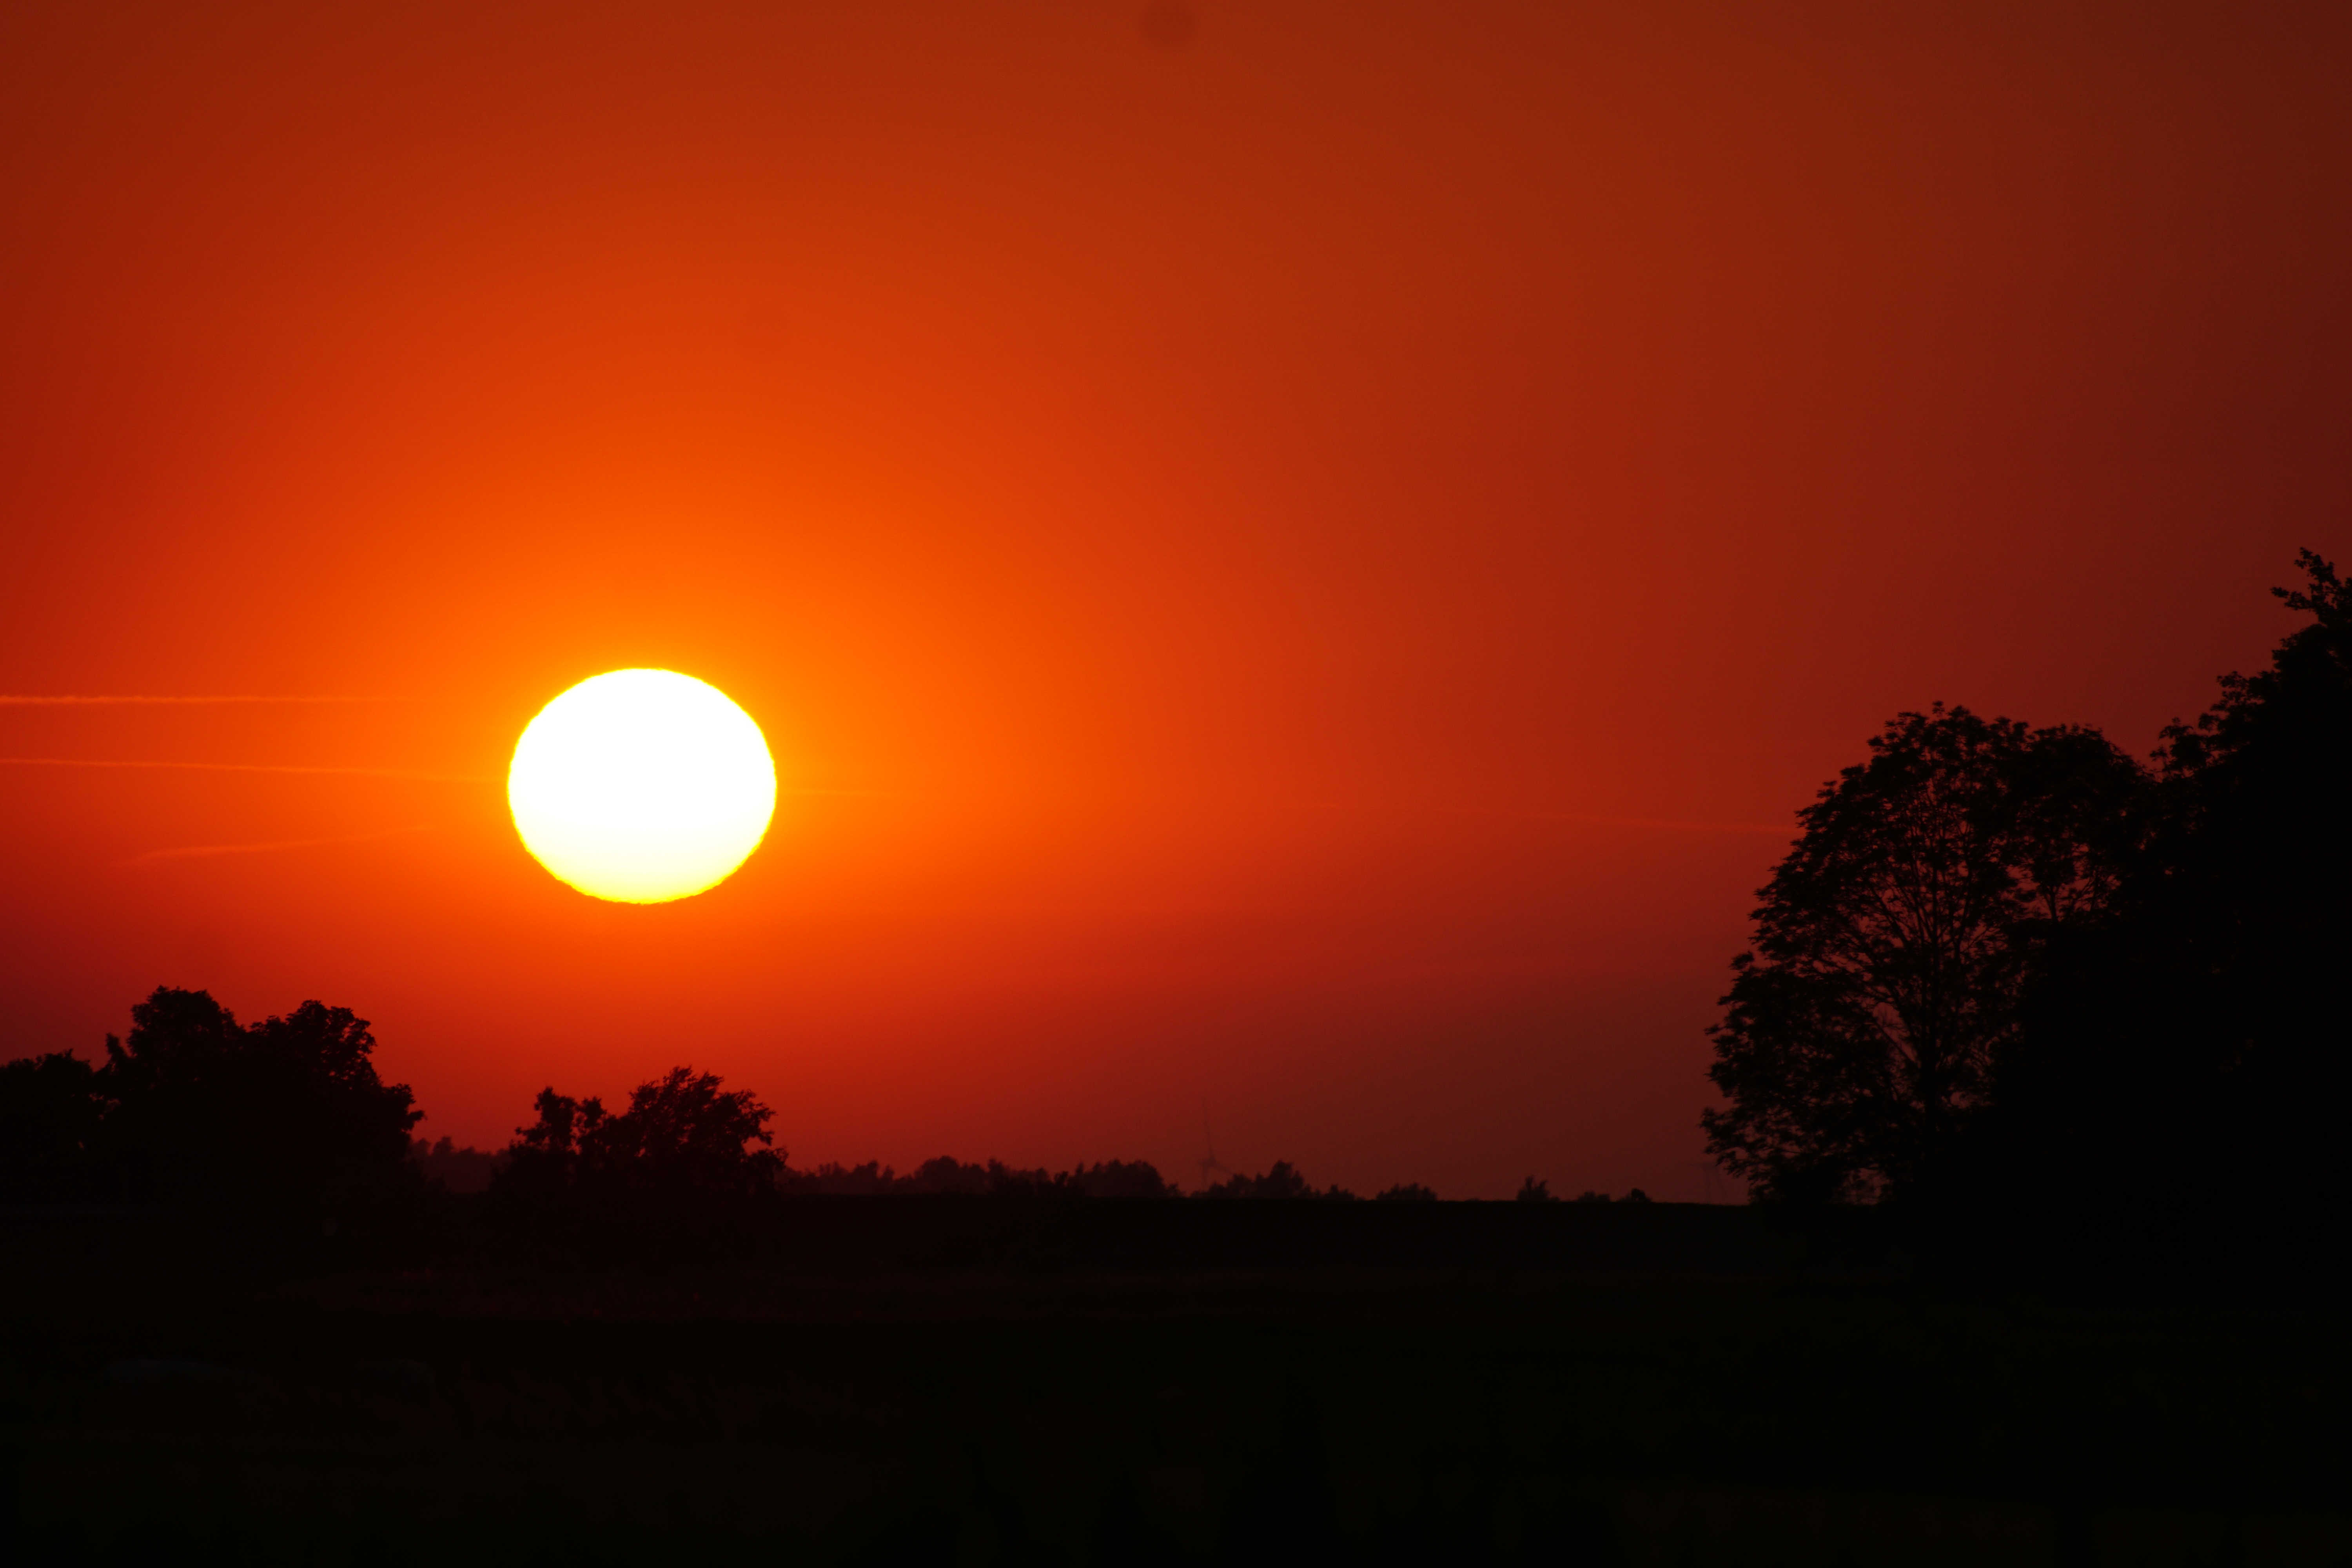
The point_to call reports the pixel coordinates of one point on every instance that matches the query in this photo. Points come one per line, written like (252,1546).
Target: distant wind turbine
(1209,1162)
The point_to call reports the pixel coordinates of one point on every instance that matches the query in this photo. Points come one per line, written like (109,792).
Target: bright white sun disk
(641,785)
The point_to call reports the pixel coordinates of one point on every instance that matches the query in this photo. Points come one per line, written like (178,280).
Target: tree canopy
(50,1114)
(1893,944)
(2012,967)
(683,1134)
(287,1111)
(1280,1181)
(2194,1048)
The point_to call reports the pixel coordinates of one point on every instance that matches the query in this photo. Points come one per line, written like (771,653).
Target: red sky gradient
(1304,568)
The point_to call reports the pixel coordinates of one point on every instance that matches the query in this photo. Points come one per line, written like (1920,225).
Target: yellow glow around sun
(641,785)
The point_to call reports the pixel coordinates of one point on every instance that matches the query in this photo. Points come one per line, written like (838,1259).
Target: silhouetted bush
(834,1180)
(1281,1182)
(1117,1178)
(947,1175)
(1406,1192)
(1535,1191)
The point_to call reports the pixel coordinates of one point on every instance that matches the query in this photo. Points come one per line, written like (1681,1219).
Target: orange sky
(1296,569)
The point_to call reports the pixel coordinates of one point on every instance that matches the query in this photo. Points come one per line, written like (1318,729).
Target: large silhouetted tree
(1861,1032)
(2197,1047)
(286,1113)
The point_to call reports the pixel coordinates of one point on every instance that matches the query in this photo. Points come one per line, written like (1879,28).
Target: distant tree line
(1535,1191)
(1108,1179)
(454,1169)
(288,1118)
(2006,968)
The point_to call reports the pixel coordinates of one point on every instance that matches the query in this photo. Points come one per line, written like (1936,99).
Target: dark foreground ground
(902,1380)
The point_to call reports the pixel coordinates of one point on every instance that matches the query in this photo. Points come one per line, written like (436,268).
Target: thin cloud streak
(367,773)
(207,851)
(1670,824)
(247,768)
(1593,819)
(1663,824)
(33,701)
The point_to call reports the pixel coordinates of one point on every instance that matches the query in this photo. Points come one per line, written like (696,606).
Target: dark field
(904,1380)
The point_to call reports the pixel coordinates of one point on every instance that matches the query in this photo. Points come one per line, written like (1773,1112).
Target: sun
(641,785)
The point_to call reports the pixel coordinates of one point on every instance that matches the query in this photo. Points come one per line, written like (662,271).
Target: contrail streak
(1667,823)
(363,772)
(25,700)
(247,768)
(1676,824)
(206,851)
(1537,814)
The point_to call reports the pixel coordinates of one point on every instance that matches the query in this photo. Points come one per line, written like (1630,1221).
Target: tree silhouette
(683,1132)
(872,1179)
(50,1116)
(288,1112)
(456,1170)
(2193,1048)
(1861,1032)
(1117,1179)
(1281,1182)
(948,1175)
(682,1136)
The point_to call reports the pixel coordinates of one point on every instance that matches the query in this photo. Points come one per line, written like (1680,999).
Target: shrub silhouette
(1108,1179)
(832,1179)
(1281,1182)
(946,1175)
(1117,1178)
